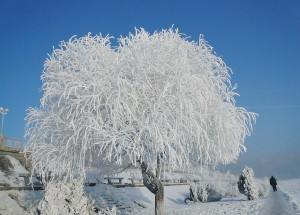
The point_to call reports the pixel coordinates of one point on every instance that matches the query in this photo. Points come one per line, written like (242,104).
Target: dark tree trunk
(154,185)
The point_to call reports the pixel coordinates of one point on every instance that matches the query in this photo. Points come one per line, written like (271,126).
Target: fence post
(2,137)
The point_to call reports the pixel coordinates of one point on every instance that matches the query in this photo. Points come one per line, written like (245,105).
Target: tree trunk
(154,185)
(159,202)
(159,195)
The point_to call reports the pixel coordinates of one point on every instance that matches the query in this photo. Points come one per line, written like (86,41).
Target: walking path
(276,204)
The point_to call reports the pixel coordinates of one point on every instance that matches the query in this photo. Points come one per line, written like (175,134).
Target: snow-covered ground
(14,202)
(10,169)
(19,202)
(138,200)
(291,191)
(276,204)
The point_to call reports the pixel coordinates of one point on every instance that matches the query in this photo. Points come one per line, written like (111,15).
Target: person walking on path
(273,183)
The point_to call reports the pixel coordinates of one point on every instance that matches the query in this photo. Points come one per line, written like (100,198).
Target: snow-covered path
(276,204)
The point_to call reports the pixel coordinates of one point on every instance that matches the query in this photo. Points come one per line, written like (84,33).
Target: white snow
(174,201)
(19,202)
(285,201)
(8,206)
(138,200)
(276,204)
(11,177)
(3,178)
(17,167)
(291,190)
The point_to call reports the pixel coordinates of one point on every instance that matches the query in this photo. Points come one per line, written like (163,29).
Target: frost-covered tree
(156,98)
(247,184)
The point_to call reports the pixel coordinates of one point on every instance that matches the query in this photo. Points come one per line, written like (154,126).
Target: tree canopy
(153,94)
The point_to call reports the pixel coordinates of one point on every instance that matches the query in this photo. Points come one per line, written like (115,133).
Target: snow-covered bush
(203,192)
(247,184)
(65,198)
(226,188)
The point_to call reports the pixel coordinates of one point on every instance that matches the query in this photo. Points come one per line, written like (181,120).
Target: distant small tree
(247,184)
(154,99)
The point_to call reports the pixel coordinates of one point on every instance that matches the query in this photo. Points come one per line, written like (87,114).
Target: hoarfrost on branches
(153,94)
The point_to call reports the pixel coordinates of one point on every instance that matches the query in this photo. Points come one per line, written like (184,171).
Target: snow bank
(291,190)
(14,201)
(10,170)
(19,202)
(8,163)
(9,206)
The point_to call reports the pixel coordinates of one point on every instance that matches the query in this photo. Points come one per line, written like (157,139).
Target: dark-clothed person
(273,183)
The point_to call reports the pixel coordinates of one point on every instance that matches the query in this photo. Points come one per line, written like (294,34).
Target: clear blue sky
(259,40)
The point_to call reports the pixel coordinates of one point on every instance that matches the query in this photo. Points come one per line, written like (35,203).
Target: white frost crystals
(154,93)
